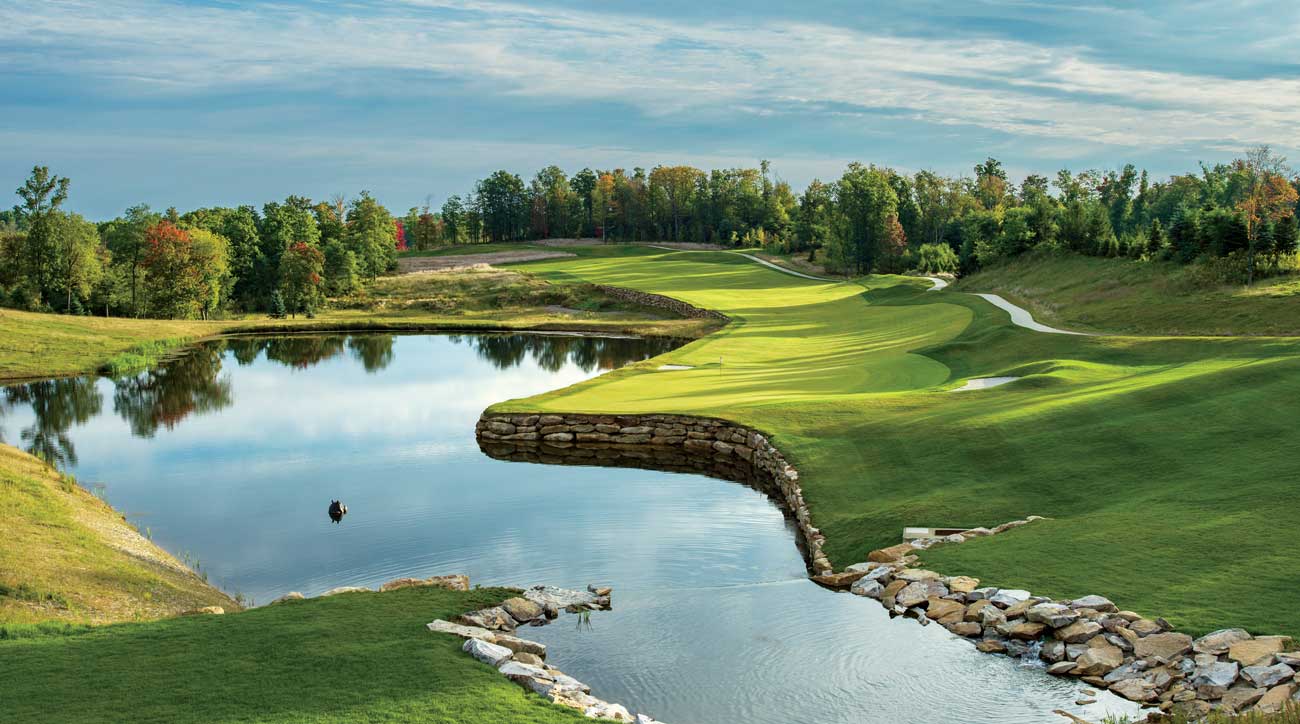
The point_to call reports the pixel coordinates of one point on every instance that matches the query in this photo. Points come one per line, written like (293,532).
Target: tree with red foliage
(184,271)
(401,234)
(301,274)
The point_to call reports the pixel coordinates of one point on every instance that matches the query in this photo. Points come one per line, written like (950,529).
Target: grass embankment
(44,345)
(354,657)
(68,557)
(1128,297)
(1167,464)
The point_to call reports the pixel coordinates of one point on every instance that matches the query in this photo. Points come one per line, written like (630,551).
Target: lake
(229,456)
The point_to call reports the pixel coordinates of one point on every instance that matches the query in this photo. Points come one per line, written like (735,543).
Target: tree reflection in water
(57,405)
(169,393)
(193,383)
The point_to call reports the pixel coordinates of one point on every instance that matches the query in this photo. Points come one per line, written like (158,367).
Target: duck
(337,511)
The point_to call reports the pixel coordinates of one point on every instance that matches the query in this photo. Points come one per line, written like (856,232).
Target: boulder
(489,653)
(465,632)
(1240,697)
(838,580)
(1078,632)
(1016,610)
(1167,646)
(1277,697)
(560,597)
(1144,627)
(917,574)
(1217,642)
(868,588)
(290,596)
(524,657)
(345,589)
(961,584)
(1258,651)
(492,619)
(1061,668)
(1026,631)
(991,615)
(521,646)
(866,567)
(966,628)
(1100,659)
(1096,603)
(938,608)
(1052,652)
(1212,680)
(1007,597)
(891,554)
(1131,670)
(915,593)
(1267,676)
(522,673)
(1053,614)
(981,594)
(523,610)
(991,646)
(973,610)
(1135,690)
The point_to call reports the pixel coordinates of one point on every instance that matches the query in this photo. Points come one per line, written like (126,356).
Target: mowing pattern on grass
(353,657)
(1161,461)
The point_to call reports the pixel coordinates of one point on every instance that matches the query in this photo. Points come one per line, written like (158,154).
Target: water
(230,456)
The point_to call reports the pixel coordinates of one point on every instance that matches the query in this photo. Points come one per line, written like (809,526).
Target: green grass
(68,557)
(356,657)
(1167,465)
(1130,297)
(486,248)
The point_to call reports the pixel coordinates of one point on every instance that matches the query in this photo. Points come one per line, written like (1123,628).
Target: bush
(936,259)
(278,310)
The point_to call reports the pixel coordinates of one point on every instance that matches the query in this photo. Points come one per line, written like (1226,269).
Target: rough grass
(46,345)
(477,249)
(68,557)
(1168,465)
(356,657)
(1129,297)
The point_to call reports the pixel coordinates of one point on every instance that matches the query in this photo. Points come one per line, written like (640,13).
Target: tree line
(282,259)
(287,257)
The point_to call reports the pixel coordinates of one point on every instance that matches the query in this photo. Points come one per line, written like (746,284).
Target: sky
(211,102)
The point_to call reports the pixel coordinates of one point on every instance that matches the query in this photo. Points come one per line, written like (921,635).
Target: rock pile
(659,301)
(1140,659)
(699,436)
(489,637)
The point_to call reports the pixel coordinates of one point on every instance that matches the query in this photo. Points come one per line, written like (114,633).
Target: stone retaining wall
(679,443)
(659,301)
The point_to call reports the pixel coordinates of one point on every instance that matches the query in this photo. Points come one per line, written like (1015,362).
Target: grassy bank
(68,557)
(356,657)
(1161,461)
(44,345)
(1151,298)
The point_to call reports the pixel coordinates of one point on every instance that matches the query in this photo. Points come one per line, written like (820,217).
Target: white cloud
(661,67)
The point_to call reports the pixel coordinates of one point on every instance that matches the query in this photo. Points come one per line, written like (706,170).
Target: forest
(1238,220)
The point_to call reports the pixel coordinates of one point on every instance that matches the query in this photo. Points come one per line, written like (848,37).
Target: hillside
(1149,298)
(69,557)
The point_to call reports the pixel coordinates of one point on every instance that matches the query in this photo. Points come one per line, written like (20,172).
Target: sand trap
(669,368)
(983,383)
(452,262)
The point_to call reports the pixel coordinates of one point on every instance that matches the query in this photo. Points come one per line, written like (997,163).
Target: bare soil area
(414,264)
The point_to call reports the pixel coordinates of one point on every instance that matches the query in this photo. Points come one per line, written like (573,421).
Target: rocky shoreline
(1141,659)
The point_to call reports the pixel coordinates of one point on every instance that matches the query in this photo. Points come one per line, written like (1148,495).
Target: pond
(230,455)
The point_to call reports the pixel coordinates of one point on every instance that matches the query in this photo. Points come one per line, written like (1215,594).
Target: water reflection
(194,383)
(57,405)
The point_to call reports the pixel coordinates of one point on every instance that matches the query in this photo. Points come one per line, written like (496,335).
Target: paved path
(1021,316)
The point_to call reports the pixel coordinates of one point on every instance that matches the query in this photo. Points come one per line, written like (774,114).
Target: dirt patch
(415,264)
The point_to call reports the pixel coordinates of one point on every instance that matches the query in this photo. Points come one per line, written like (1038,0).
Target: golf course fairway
(1165,464)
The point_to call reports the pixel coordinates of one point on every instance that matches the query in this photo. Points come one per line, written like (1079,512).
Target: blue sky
(199,103)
